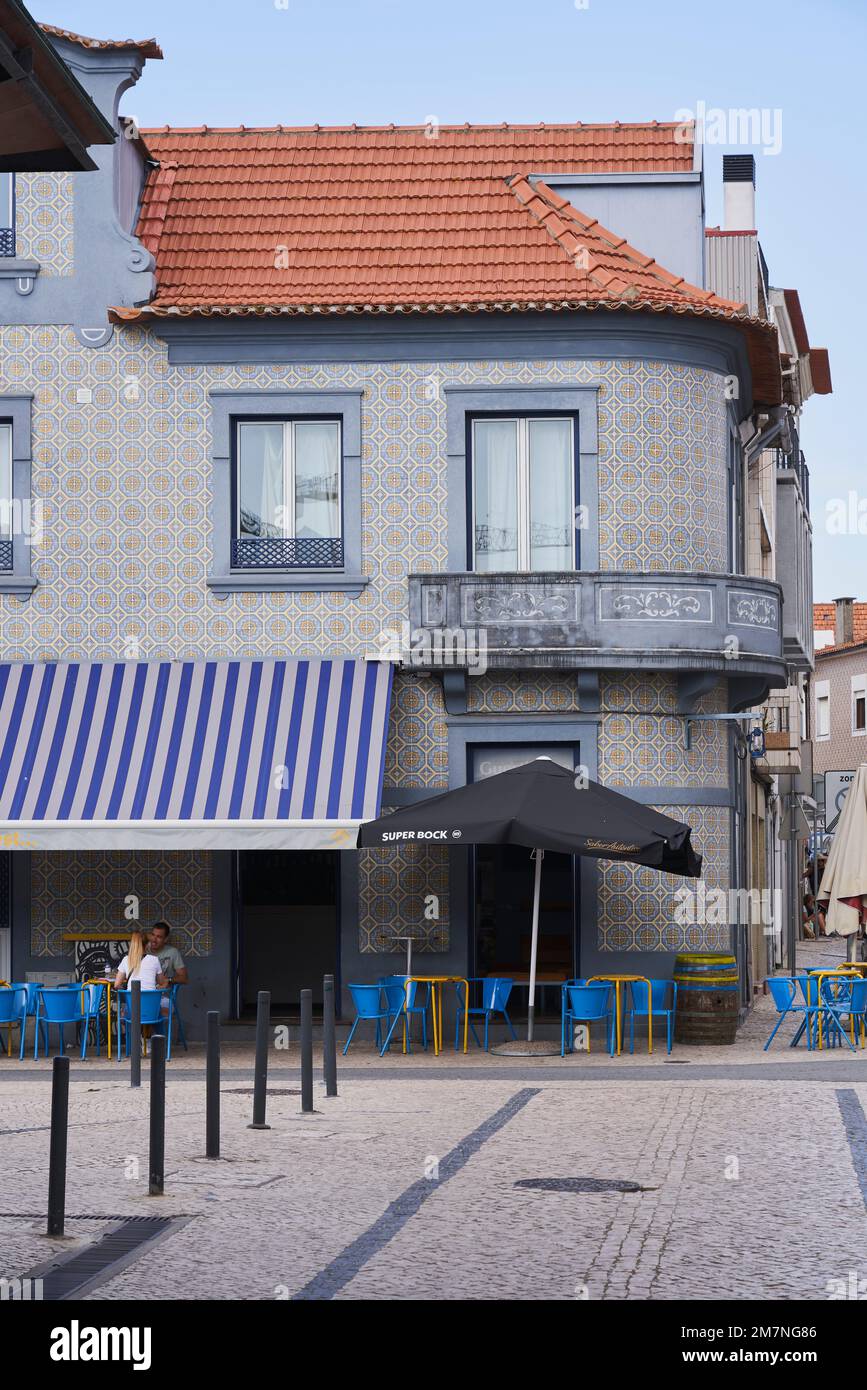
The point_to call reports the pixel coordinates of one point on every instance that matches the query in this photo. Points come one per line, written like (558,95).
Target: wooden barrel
(708,997)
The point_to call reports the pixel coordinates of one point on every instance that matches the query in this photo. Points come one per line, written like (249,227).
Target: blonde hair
(137,947)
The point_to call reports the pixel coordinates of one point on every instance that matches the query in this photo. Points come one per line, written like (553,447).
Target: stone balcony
(683,622)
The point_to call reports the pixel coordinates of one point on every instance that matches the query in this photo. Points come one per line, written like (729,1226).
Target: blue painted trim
(463,403)
(228,407)
(711,344)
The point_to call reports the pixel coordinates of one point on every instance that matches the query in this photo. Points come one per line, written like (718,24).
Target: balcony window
(7,510)
(288,495)
(523,494)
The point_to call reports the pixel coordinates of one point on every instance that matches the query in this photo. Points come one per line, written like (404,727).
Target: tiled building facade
(123,465)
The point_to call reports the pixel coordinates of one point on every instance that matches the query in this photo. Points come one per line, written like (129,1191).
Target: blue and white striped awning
(191,754)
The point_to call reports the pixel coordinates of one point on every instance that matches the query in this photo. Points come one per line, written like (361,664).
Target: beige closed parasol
(844,882)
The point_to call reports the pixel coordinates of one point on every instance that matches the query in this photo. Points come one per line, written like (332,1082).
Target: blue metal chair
(176,1015)
(783,990)
(661,992)
(151,1015)
(837,1003)
(13,1012)
(413,1009)
(495,997)
(58,1007)
(31,990)
(852,1004)
(582,1003)
(369,1008)
(395,996)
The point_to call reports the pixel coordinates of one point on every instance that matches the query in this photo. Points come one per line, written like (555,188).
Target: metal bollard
(329,1043)
(57,1150)
(307,1051)
(212,1088)
(260,1075)
(135,1033)
(157,1155)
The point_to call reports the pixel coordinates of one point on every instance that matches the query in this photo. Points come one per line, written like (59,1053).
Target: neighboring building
(370,462)
(839,694)
(47,120)
(778,547)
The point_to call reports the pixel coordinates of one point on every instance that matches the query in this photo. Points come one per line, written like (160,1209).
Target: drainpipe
(776,428)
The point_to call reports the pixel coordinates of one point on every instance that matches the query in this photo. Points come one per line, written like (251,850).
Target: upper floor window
(287,494)
(523,493)
(859,704)
(6,496)
(823,709)
(7,214)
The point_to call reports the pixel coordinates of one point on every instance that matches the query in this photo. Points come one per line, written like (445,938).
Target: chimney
(844,621)
(739,192)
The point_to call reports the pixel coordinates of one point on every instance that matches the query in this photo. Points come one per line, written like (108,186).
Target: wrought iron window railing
(5,555)
(287,552)
(798,464)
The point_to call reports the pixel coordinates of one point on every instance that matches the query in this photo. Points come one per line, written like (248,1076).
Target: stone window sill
(23,272)
(21,584)
(284,581)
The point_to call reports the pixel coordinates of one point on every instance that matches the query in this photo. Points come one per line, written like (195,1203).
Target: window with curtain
(287,494)
(523,494)
(6,499)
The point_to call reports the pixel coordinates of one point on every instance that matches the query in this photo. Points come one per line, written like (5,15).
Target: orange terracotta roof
(823,621)
(820,371)
(406,219)
(149,48)
(609,266)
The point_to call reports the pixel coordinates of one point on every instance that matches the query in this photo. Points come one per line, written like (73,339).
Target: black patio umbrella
(543,806)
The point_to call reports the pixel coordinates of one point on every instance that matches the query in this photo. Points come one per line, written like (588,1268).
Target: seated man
(170,958)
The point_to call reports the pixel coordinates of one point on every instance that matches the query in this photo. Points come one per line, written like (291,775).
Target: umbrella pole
(539,855)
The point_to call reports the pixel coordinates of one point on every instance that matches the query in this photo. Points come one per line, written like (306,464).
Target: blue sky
(263,62)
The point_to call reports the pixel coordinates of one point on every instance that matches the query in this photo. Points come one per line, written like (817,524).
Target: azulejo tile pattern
(637,905)
(125,483)
(404,891)
(662,482)
(88,892)
(416,753)
(639,744)
(522,692)
(44,223)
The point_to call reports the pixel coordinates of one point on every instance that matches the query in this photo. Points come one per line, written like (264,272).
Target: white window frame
(7,486)
(523,423)
(859,691)
(289,518)
(823,699)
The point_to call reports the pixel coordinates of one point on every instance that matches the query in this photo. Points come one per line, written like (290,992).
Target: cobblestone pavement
(404,1185)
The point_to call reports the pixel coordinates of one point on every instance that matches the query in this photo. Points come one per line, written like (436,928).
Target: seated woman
(138,965)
